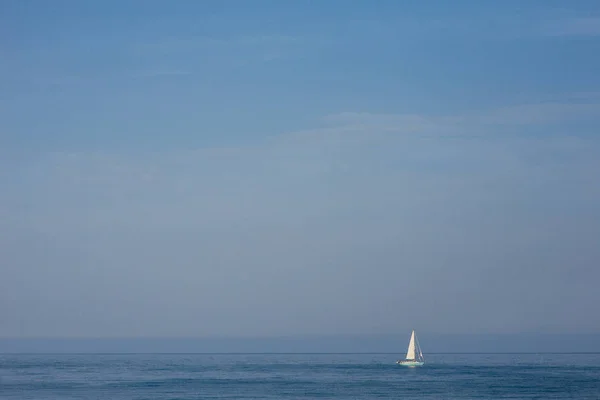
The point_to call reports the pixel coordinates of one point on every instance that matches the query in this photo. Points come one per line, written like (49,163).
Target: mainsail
(410,354)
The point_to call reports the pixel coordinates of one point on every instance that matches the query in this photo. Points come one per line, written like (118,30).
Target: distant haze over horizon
(430,343)
(267,169)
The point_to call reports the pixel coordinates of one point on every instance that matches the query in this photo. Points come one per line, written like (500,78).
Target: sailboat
(414,355)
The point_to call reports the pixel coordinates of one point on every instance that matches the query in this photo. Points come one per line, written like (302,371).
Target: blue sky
(266,167)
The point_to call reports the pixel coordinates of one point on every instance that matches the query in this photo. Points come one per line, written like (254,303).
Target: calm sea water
(299,376)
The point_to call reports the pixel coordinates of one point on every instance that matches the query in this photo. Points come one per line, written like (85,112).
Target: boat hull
(408,363)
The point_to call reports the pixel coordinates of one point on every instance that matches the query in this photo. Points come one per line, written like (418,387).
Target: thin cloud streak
(357,125)
(157,73)
(582,26)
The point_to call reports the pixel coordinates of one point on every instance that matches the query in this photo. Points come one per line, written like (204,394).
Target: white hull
(407,363)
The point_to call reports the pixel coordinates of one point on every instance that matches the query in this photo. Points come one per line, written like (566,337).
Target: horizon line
(301,353)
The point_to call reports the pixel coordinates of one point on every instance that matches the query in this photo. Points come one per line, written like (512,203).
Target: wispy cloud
(486,26)
(582,26)
(341,141)
(189,43)
(347,126)
(262,45)
(157,73)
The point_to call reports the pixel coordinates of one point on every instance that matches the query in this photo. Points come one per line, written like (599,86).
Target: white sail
(410,354)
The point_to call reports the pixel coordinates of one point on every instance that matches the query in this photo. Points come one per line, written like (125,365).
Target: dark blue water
(299,376)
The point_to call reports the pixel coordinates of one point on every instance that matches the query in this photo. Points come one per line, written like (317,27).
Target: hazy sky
(291,167)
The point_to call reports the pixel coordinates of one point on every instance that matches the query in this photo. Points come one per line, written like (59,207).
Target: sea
(297,376)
